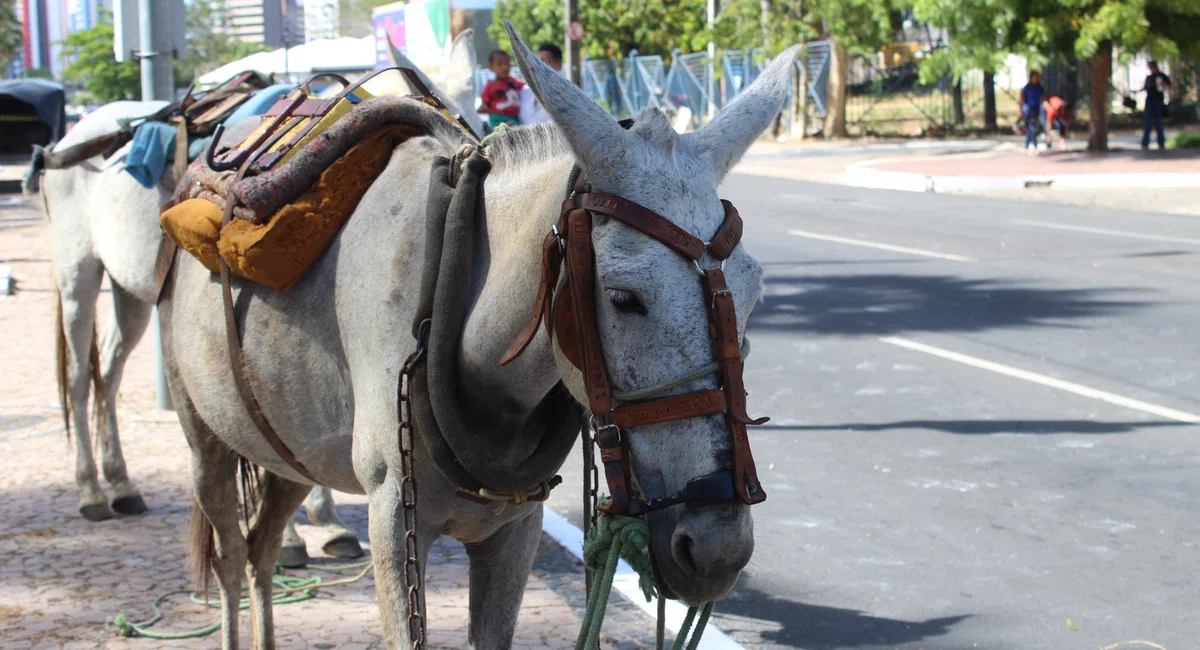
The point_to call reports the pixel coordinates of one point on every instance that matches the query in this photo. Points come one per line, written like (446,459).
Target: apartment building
(271,22)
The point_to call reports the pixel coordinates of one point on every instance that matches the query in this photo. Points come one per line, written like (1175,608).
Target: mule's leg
(122,333)
(294,554)
(79,287)
(279,500)
(386,531)
(214,478)
(341,542)
(500,567)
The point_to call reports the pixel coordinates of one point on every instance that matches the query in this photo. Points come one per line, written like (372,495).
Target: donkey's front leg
(500,567)
(385,528)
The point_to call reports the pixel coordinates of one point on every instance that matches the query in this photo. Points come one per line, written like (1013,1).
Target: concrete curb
(570,537)
(864,174)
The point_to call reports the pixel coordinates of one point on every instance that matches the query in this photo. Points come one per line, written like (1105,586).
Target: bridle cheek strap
(572,317)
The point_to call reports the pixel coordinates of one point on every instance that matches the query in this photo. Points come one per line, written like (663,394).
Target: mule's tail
(202,548)
(99,408)
(202,545)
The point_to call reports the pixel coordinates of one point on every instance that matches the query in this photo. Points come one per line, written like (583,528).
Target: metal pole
(713,8)
(572,50)
(158,81)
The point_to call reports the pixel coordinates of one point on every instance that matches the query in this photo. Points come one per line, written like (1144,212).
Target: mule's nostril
(682,547)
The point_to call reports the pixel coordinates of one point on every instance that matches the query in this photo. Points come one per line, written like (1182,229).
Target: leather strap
(163,262)
(613,456)
(237,362)
(728,235)
(104,145)
(645,221)
(581,260)
(669,409)
(724,319)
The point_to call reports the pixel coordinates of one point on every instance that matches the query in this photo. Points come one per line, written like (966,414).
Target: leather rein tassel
(571,317)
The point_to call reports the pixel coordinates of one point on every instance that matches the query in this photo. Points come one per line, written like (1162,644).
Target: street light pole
(572,50)
(713,8)
(158,83)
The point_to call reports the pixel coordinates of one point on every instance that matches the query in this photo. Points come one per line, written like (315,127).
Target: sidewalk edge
(863,174)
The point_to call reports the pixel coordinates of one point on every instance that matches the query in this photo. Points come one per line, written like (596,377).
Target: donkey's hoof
(131,505)
(96,511)
(293,557)
(343,548)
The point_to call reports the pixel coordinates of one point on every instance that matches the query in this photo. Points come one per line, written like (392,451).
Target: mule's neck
(522,203)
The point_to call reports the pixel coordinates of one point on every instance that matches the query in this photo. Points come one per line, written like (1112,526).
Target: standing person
(532,111)
(1031,108)
(501,97)
(1156,87)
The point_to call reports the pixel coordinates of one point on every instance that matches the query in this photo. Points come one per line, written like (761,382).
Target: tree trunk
(1101,72)
(835,101)
(989,101)
(957,102)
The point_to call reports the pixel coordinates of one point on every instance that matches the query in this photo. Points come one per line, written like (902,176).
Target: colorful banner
(388,22)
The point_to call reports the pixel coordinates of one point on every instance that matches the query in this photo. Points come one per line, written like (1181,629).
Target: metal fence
(685,89)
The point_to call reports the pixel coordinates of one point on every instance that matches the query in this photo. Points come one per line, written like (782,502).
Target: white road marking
(570,537)
(1106,231)
(1070,387)
(885,247)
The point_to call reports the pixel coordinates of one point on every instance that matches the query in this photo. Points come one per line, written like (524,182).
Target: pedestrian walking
(1156,87)
(1031,109)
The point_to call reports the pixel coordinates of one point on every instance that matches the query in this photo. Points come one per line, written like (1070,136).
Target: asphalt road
(979,434)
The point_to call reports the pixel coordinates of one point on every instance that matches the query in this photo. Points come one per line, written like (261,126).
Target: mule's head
(650,309)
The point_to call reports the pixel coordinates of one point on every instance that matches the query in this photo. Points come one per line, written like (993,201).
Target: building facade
(321,19)
(274,23)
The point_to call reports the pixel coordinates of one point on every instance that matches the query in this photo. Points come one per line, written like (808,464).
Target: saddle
(195,114)
(293,179)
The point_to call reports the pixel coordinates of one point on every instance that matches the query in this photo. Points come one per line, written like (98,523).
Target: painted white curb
(570,537)
(863,174)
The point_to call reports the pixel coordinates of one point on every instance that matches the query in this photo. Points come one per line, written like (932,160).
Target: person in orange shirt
(1055,108)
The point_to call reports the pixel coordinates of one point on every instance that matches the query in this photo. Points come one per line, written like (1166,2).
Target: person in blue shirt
(1031,108)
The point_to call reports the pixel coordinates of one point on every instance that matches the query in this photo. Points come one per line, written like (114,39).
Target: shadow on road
(890,304)
(817,627)
(984,427)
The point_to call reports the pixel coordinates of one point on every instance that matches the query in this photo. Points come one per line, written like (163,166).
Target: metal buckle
(696,263)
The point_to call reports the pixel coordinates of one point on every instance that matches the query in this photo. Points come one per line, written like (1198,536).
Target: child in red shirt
(502,95)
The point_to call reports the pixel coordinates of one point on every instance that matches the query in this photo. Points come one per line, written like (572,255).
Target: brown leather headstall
(571,316)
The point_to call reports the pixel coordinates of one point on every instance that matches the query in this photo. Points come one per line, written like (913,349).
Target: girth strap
(237,361)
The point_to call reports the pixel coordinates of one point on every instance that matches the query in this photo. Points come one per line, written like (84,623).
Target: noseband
(571,315)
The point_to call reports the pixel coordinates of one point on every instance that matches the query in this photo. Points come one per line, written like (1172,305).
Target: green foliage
(1185,140)
(612,28)
(209,44)
(739,26)
(95,67)
(979,34)
(10,34)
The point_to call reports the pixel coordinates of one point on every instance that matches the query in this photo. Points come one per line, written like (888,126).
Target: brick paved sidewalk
(62,577)
(1048,163)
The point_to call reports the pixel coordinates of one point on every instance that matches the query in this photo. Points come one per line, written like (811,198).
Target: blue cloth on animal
(152,146)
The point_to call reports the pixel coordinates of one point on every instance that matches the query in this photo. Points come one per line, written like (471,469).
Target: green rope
(614,538)
(288,589)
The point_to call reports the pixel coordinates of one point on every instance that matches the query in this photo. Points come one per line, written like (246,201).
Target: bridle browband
(570,313)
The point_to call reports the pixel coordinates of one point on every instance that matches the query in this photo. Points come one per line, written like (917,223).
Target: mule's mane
(518,145)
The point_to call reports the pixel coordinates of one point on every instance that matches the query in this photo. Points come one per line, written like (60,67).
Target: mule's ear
(738,125)
(457,78)
(598,141)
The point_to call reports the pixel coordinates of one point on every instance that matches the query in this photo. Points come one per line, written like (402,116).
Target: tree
(10,34)
(210,45)
(95,67)
(612,28)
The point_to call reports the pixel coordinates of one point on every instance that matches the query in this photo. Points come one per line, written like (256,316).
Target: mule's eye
(626,302)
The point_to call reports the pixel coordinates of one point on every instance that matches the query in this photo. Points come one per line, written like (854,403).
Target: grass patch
(1185,140)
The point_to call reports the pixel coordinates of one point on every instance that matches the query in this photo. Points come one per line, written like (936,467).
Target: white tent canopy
(321,55)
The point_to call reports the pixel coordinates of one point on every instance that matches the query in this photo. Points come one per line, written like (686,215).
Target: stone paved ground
(62,577)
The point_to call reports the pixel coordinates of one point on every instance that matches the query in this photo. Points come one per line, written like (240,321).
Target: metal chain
(408,494)
(590,479)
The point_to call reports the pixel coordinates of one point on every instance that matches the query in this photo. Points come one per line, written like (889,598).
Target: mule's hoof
(293,557)
(132,505)
(96,511)
(343,548)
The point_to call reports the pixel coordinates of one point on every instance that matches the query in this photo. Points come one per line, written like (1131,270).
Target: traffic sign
(574,30)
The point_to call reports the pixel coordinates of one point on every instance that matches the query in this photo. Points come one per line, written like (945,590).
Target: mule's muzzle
(699,552)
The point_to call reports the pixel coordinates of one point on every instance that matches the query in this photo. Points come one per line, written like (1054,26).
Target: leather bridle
(570,314)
